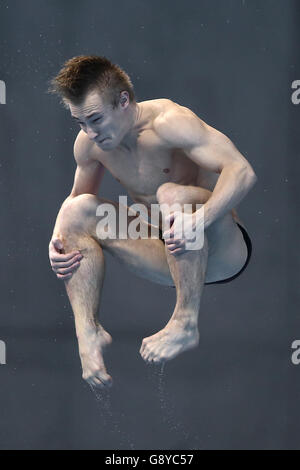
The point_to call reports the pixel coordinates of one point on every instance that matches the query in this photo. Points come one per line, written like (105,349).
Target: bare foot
(169,342)
(91,346)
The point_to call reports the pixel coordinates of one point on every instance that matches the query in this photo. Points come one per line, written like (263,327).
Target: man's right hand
(63,264)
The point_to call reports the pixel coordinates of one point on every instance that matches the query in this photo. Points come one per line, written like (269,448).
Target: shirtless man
(163,153)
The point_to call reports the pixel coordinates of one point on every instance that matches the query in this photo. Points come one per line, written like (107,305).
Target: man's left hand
(184,230)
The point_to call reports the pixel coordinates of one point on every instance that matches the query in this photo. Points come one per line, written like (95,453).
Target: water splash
(157,372)
(111,422)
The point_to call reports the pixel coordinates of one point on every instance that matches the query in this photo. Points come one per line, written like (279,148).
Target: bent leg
(76,226)
(188,271)
(222,255)
(84,289)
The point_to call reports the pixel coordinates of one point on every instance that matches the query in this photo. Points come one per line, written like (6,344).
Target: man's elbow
(248,175)
(251,176)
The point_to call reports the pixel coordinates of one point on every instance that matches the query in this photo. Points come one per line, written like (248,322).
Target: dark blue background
(232,62)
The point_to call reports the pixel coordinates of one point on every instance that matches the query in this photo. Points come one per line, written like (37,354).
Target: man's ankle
(185,320)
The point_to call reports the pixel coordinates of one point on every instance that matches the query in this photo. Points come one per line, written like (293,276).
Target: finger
(64,277)
(58,244)
(170,219)
(71,269)
(58,265)
(176,244)
(56,257)
(178,251)
(172,247)
(173,241)
(168,234)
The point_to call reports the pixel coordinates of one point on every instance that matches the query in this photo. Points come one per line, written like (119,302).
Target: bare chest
(149,164)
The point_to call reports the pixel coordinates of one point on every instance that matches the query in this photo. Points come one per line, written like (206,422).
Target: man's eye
(98,119)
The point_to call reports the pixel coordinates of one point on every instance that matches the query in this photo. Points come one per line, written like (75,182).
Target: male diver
(162,153)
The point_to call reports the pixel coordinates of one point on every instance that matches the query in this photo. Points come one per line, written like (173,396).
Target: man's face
(103,125)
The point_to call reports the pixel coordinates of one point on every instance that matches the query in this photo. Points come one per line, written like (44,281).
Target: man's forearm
(233,184)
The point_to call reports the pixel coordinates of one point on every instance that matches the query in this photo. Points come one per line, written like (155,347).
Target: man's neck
(134,118)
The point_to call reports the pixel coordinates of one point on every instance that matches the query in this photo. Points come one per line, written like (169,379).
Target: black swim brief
(249,248)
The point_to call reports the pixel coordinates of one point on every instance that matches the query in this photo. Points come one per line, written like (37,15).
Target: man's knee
(76,212)
(169,193)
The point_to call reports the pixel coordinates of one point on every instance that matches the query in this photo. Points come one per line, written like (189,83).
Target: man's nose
(91,133)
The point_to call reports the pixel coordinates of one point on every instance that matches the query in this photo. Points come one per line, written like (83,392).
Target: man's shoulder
(85,149)
(169,110)
(175,119)
(160,106)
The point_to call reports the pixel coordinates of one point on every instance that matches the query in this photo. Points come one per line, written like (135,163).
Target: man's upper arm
(89,171)
(181,128)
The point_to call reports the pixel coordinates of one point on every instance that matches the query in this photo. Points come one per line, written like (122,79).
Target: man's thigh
(227,248)
(99,218)
(144,256)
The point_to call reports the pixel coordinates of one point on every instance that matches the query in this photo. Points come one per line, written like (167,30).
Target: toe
(144,345)
(150,356)
(105,379)
(145,354)
(95,382)
(99,380)
(157,359)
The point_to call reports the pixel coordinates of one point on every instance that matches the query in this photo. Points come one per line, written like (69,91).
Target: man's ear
(124,99)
